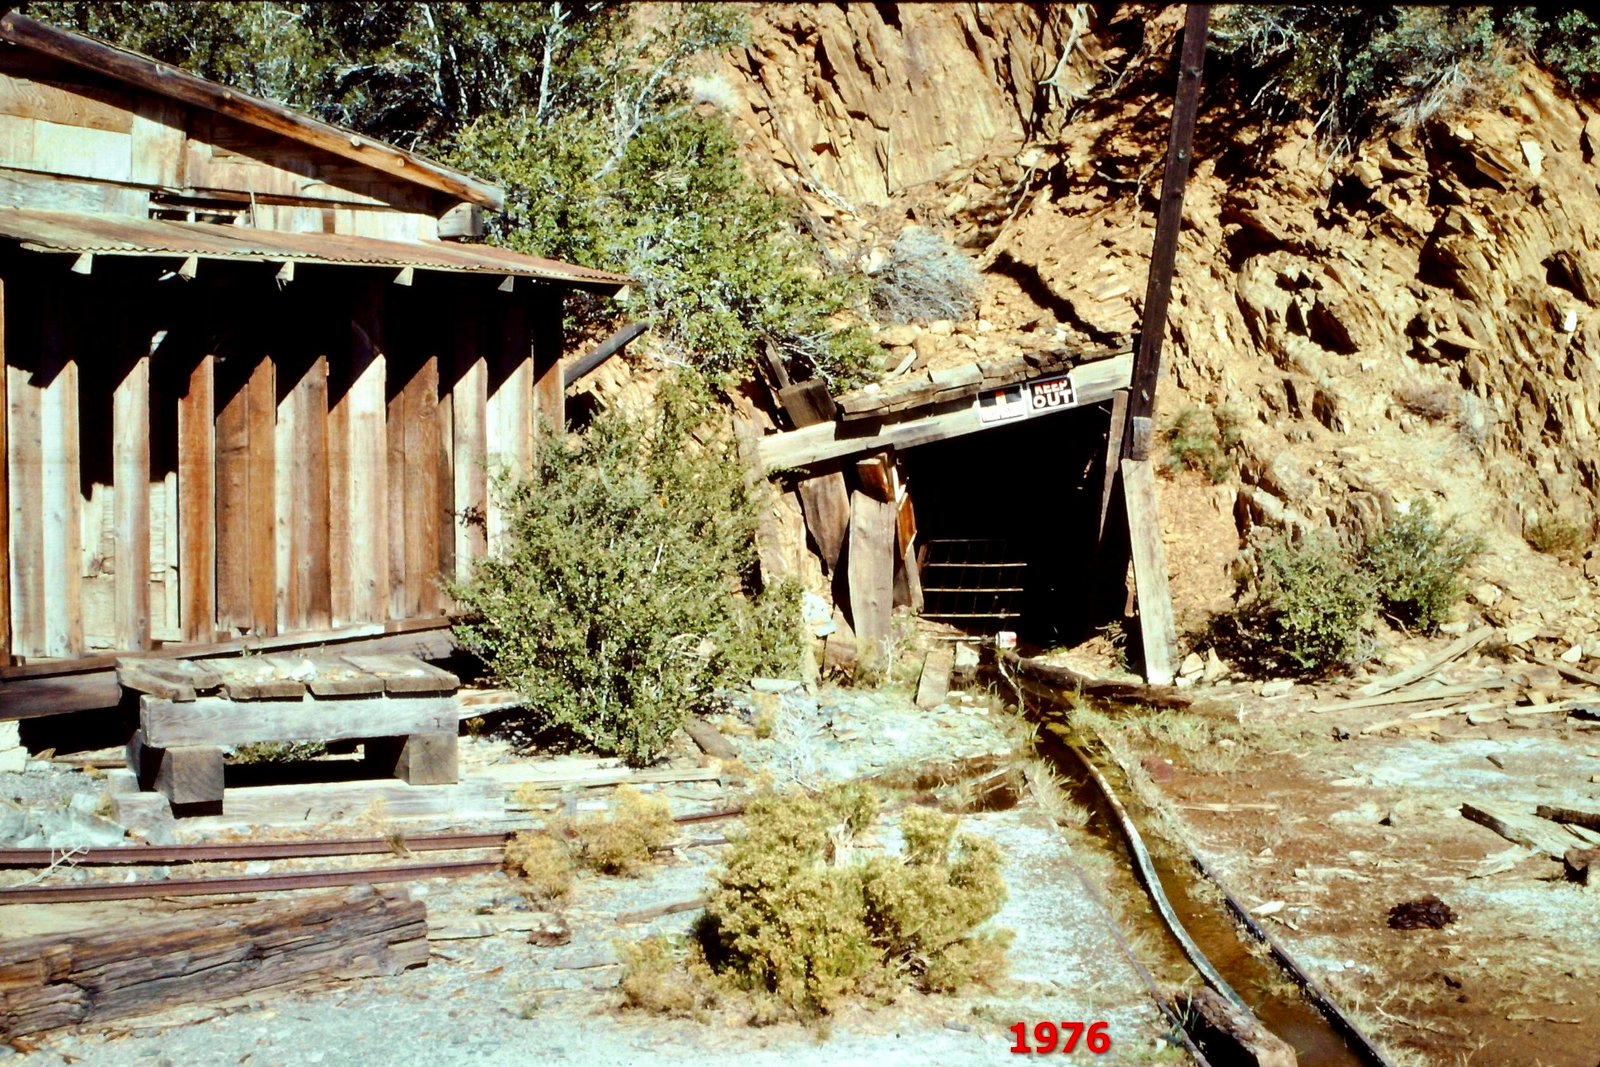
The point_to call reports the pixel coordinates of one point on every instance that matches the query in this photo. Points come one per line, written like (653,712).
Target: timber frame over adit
(254,389)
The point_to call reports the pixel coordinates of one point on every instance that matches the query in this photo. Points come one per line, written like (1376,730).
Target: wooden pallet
(403,710)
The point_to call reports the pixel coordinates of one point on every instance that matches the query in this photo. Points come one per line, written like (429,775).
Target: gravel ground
(498,1000)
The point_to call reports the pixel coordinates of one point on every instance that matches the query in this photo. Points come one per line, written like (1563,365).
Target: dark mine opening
(1006,525)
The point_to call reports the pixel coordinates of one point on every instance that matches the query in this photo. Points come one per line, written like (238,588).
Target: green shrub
(623,590)
(1415,563)
(278,752)
(1354,69)
(799,922)
(1311,608)
(1203,439)
(1558,537)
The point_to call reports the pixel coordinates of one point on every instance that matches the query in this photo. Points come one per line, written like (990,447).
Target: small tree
(1311,609)
(1416,563)
(623,591)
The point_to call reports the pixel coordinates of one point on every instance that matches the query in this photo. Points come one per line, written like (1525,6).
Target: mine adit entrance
(1007,523)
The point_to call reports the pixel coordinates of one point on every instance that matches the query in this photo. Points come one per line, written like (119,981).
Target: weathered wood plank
(261,508)
(933,685)
(130,449)
(870,569)
(510,404)
(1093,383)
(217,721)
(404,674)
(366,481)
(1522,828)
(807,403)
(197,501)
(1457,648)
(1113,458)
(61,498)
(1156,627)
(97,975)
(469,447)
(310,589)
(825,500)
(25,479)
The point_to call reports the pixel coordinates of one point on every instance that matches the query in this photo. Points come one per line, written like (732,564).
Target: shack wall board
(206,473)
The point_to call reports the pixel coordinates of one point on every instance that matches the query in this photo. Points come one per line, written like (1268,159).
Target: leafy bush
(278,752)
(925,278)
(623,590)
(800,923)
(1310,610)
(1203,439)
(1558,537)
(1415,563)
(1353,69)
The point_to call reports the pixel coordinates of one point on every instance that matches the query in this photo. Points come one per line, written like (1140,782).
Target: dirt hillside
(1420,322)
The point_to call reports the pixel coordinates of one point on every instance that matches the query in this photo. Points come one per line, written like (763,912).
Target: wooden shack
(255,385)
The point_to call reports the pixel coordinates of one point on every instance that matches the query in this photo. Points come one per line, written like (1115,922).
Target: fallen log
(97,975)
(1231,1033)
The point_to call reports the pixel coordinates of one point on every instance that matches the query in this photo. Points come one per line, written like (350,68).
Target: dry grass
(544,863)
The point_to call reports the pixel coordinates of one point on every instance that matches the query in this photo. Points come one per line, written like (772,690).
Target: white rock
(13,760)
(774,685)
(1521,633)
(1277,687)
(1573,654)
(1216,670)
(1192,664)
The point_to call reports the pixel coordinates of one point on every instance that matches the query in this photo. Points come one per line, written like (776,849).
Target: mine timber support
(1156,629)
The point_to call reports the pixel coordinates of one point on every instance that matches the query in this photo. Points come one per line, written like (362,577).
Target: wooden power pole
(1157,631)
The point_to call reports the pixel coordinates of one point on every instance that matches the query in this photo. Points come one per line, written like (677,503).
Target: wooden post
(25,480)
(1114,435)
(1158,286)
(304,521)
(130,459)
(871,559)
(197,503)
(1144,519)
(1156,626)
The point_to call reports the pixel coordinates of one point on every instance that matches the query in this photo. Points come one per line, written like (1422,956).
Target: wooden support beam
(592,361)
(197,503)
(130,464)
(217,721)
(1093,383)
(187,776)
(261,507)
(1169,219)
(414,443)
(1156,627)
(870,571)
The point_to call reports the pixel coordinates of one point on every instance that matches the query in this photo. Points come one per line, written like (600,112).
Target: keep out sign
(1050,393)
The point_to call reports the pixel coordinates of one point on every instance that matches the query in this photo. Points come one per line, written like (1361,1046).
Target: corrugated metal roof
(115,235)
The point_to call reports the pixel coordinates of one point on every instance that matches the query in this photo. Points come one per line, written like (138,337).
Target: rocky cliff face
(1418,322)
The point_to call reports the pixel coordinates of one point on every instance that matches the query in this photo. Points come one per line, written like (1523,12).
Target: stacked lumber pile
(98,975)
(1570,835)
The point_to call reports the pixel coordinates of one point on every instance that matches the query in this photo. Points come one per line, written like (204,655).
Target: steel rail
(121,855)
(265,883)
